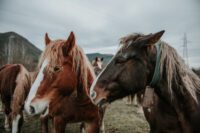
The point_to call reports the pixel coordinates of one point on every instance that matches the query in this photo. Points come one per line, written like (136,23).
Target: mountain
(16,49)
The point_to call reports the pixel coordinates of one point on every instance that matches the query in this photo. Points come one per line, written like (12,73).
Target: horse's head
(98,62)
(129,71)
(55,74)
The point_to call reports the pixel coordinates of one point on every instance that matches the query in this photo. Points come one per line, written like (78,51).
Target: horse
(14,87)
(61,87)
(97,64)
(145,60)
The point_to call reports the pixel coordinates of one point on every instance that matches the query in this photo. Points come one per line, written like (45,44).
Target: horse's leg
(128,100)
(21,120)
(82,128)
(44,124)
(59,125)
(6,123)
(16,122)
(102,127)
(93,127)
(90,128)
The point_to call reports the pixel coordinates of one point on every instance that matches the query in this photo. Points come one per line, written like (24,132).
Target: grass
(119,118)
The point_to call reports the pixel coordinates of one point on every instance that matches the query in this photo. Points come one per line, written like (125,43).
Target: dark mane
(130,38)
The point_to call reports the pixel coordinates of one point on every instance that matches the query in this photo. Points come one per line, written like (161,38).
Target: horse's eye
(56,68)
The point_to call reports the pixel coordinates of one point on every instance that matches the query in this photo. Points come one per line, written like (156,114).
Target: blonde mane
(173,66)
(80,64)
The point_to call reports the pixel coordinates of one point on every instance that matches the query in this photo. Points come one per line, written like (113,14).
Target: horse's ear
(152,38)
(96,58)
(47,39)
(69,44)
(101,58)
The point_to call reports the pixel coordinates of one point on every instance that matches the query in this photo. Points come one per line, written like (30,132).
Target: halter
(156,75)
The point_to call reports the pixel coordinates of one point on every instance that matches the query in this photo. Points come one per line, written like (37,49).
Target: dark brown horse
(60,89)
(144,60)
(14,87)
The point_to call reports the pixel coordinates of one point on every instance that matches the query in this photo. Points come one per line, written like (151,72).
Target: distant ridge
(16,49)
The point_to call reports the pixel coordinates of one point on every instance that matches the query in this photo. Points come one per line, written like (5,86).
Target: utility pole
(185,49)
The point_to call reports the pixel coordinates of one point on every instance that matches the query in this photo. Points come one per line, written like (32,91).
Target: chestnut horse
(144,60)
(60,89)
(14,87)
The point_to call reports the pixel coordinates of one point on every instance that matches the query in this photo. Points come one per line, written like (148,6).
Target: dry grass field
(119,118)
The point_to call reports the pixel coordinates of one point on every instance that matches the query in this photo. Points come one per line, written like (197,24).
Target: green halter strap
(156,75)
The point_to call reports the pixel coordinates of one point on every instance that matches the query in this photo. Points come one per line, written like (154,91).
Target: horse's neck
(81,93)
(183,103)
(183,100)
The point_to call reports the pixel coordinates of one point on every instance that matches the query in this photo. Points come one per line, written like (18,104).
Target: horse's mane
(176,71)
(131,37)
(80,64)
(82,67)
(23,84)
(173,67)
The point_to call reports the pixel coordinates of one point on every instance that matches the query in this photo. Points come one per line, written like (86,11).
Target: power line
(185,49)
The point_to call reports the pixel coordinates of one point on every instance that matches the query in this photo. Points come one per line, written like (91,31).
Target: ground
(119,118)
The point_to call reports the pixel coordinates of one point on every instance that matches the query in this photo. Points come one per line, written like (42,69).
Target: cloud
(99,24)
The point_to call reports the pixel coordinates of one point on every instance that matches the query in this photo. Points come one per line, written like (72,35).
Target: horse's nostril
(32,109)
(93,95)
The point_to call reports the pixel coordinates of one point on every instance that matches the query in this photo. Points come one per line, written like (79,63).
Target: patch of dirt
(119,118)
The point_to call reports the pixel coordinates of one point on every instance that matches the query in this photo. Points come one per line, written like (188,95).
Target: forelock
(130,38)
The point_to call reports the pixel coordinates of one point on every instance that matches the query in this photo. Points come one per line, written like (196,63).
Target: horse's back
(8,75)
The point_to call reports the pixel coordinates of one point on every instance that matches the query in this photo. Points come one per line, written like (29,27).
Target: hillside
(16,49)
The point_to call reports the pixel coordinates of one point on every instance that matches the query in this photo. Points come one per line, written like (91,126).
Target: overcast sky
(98,24)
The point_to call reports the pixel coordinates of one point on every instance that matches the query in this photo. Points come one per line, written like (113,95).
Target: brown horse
(60,89)
(14,87)
(143,61)
(97,64)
